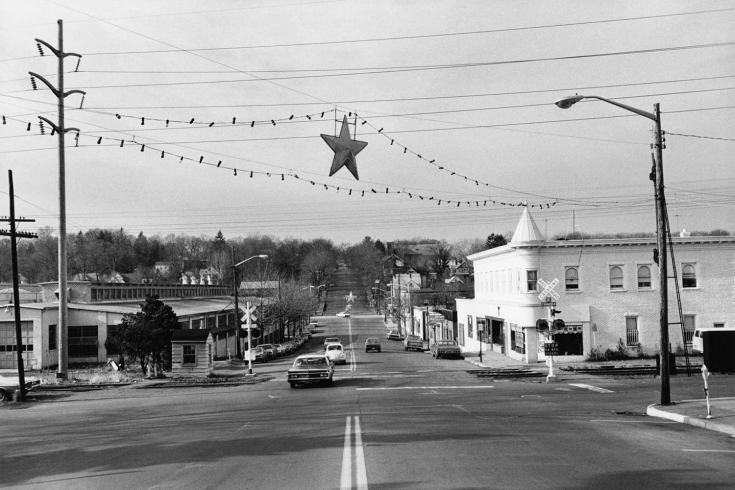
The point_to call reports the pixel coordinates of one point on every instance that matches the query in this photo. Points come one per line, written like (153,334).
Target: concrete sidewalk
(694,412)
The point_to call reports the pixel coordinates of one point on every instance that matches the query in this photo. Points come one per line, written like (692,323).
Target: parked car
(446,348)
(310,368)
(9,385)
(343,314)
(394,335)
(413,342)
(336,353)
(372,344)
(331,340)
(270,350)
(282,349)
(257,354)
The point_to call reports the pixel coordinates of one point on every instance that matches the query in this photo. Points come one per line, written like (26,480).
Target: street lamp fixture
(237,307)
(661,241)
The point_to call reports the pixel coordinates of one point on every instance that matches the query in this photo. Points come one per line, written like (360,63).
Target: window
(688,276)
(719,325)
(190,354)
(616,277)
(644,277)
(631,330)
(83,341)
(52,337)
(469,326)
(688,328)
(531,280)
(571,278)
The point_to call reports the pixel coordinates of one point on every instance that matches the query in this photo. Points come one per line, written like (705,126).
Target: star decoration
(350,297)
(345,149)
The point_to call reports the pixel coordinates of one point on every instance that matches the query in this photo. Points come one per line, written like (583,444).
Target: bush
(619,353)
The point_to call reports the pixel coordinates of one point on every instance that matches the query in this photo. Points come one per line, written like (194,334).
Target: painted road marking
(618,421)
(591,388)
(709,450)
(481,387)
(360,472)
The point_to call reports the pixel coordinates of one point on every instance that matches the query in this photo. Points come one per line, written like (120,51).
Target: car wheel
(293,385)
(3,396)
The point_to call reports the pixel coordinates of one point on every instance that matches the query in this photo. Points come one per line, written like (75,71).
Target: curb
(708,424)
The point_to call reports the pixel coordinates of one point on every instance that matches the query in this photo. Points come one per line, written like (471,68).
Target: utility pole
(235,286)
(662,259)
(13,234)
(59,128)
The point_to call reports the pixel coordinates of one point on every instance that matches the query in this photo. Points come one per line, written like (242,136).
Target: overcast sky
(455,100)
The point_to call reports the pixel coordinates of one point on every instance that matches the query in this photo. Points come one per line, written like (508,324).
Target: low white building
(607,293)
(95,308)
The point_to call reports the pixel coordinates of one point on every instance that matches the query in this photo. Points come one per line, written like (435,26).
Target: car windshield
(446,342)
(334,347)
(371,341)
(413,337)
(310,362)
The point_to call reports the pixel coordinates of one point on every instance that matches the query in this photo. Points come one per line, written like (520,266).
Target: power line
(410,68)
(410,99)
(418,36)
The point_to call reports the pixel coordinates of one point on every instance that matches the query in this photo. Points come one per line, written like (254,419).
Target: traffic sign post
(549,297)
(248,317)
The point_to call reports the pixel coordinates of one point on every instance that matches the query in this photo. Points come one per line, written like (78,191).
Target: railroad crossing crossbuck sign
(548,290)
(249,314)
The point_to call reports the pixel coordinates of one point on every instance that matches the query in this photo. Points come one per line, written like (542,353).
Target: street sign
(551,348)
(548,290)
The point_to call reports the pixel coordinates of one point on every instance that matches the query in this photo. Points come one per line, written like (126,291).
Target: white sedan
(336,353)
(343,314)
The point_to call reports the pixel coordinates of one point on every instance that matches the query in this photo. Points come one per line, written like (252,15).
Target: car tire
(3,395)
(293,385)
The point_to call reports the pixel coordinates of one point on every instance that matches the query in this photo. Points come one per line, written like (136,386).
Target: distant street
(394,419)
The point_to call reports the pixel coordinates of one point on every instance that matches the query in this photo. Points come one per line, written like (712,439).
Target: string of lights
(387,190)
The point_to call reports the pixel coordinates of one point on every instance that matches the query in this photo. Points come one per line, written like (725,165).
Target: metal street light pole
(660,200)
(237,306)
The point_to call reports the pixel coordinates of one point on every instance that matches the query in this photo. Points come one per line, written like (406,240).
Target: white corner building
(605,289)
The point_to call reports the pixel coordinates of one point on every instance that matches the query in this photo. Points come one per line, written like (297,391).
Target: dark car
(394,335)
(446,348)
(413,342)
(372,344)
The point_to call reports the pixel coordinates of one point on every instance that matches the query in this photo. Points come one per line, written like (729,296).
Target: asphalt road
(393,419)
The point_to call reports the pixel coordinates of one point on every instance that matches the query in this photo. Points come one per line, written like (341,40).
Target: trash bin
(719,350)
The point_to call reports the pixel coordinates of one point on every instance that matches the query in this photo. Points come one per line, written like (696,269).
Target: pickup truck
(446,348)
(413,342)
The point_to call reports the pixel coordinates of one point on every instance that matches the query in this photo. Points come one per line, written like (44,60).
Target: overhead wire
(420,36)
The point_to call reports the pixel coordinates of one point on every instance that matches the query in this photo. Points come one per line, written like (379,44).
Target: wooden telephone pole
(14,234)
